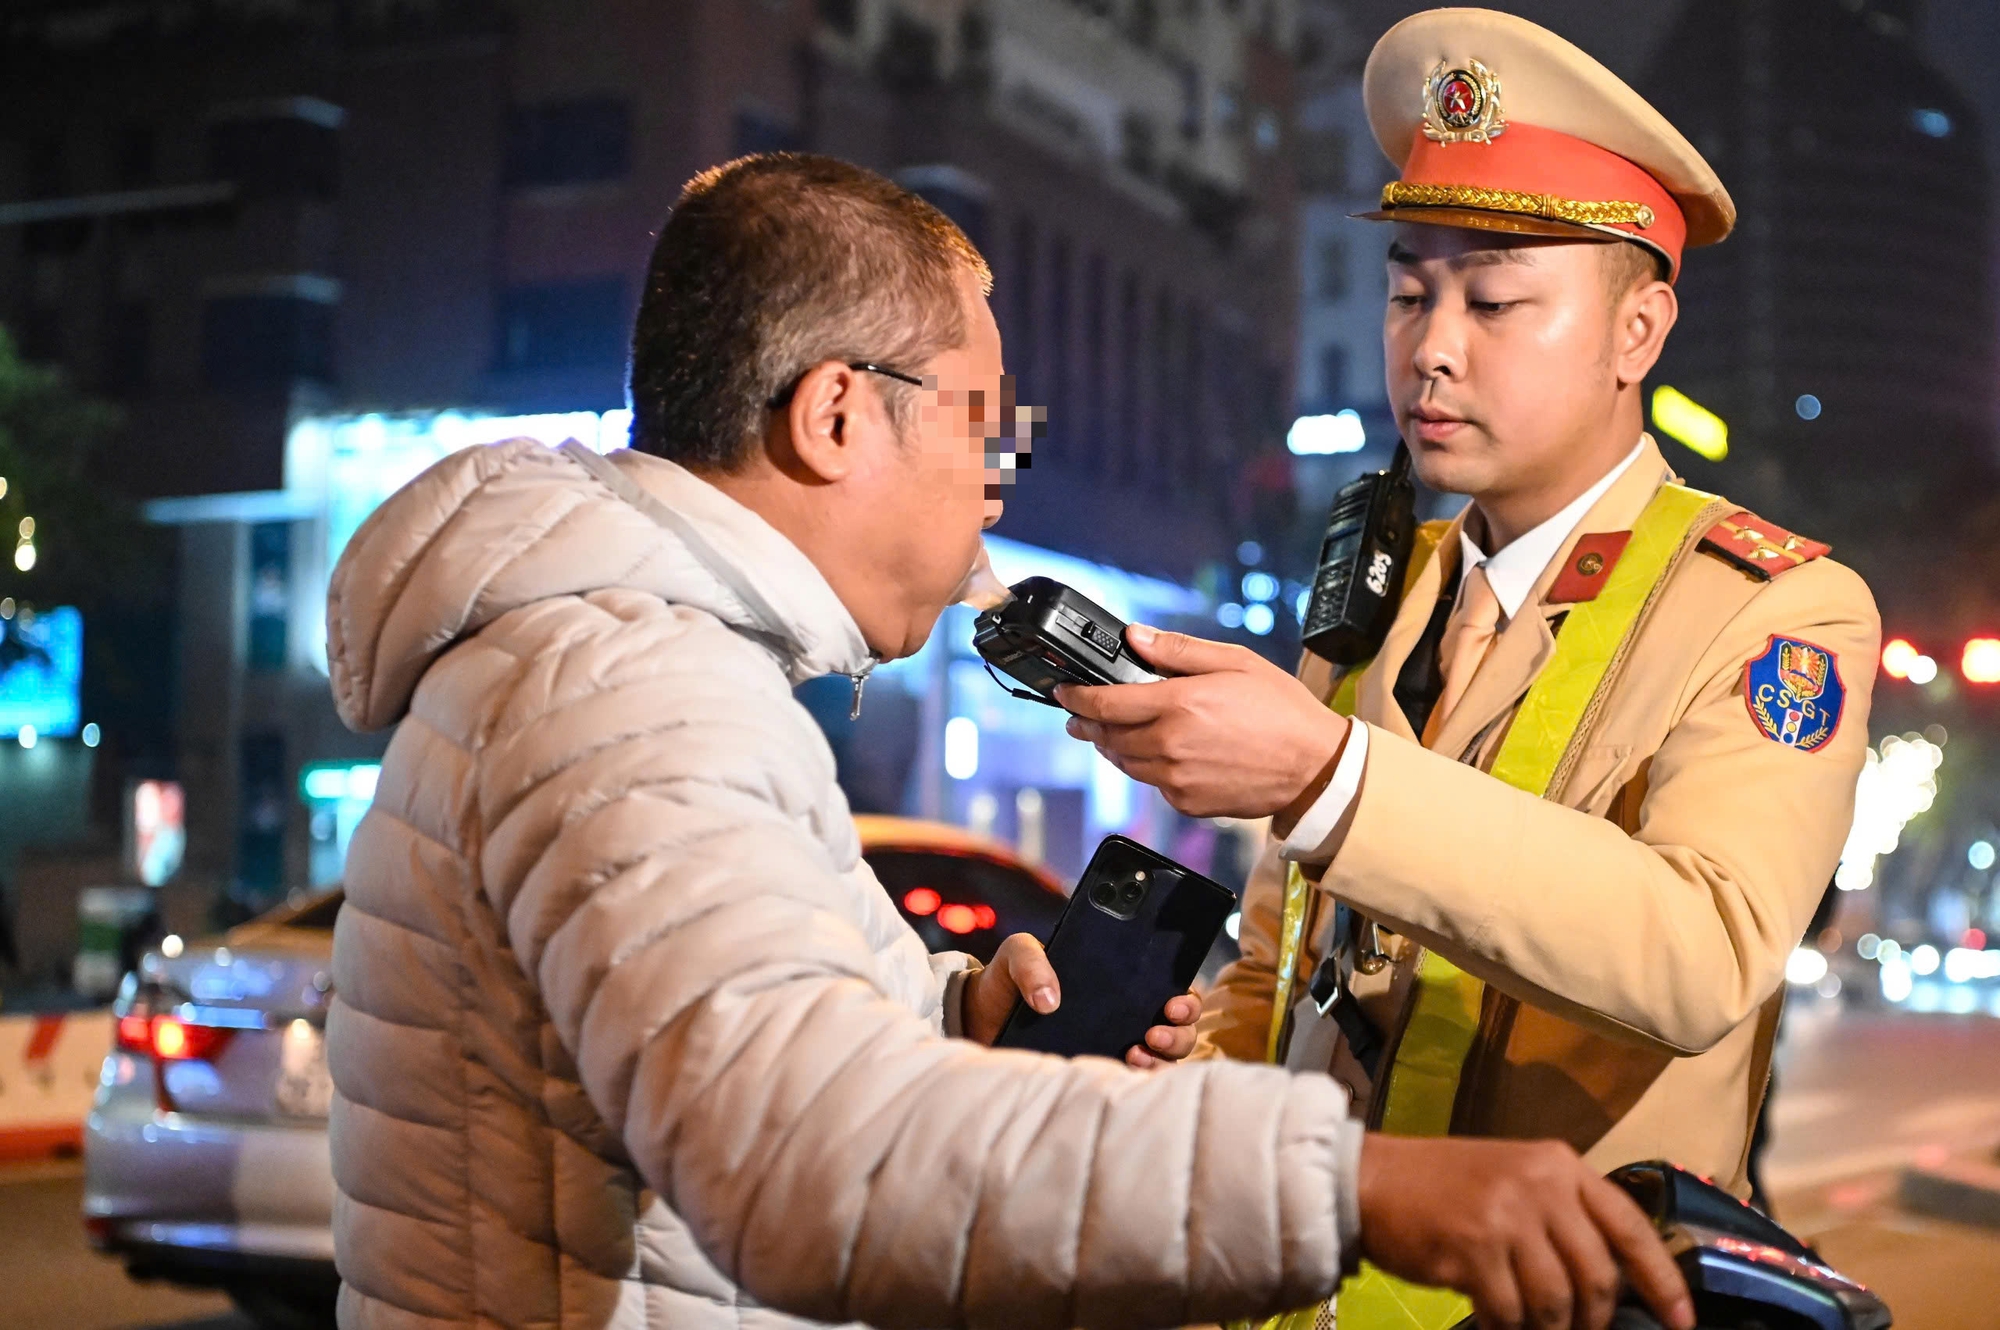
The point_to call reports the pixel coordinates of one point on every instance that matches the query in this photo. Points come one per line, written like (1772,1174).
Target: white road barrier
(48,1073)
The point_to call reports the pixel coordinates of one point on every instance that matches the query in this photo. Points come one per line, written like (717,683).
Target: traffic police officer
(1536,867)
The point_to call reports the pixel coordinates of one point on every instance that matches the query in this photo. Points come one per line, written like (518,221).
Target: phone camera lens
(1130,893)
(1104,894)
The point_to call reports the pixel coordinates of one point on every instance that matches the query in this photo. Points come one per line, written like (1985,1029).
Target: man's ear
(1645,316)
(812,435)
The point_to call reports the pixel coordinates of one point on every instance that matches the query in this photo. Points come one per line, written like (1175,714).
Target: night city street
(1049,664)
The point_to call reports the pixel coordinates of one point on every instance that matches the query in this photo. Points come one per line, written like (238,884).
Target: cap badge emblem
(1462,104)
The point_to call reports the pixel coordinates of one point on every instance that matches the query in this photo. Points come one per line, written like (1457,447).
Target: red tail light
(169,1038)
(960,919)
(135,1034)
(176,1040)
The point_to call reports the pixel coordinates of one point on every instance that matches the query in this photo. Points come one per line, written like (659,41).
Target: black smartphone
(1049,634)
(1132,937)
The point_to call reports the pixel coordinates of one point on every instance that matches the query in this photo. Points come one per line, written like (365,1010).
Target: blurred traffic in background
(261,263)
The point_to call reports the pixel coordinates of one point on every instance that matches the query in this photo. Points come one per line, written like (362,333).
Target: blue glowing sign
(41,673)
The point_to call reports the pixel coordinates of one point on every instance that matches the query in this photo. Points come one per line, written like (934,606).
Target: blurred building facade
(1342,401)
(1340,171)
(1847,330)
(309,246)
(1847,333)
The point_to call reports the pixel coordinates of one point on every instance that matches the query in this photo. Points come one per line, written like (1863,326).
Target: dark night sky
(1961,38)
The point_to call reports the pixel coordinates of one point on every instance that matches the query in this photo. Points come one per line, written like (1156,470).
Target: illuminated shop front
(339,469)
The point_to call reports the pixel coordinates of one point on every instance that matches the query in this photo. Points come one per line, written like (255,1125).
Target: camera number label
(1378,572)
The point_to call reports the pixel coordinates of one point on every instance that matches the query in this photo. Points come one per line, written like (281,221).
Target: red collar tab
(1589,565)
(1762,549)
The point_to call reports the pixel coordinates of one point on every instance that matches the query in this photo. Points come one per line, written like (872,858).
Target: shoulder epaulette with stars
(1762,549)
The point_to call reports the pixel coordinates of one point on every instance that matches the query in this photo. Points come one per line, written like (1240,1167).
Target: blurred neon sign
(158,830)
(1319,436)
(1681,417)
(41,673)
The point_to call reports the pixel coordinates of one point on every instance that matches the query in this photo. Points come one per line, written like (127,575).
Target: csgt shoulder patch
(1794,694)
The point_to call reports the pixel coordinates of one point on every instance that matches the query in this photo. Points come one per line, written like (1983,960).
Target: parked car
(205,1154)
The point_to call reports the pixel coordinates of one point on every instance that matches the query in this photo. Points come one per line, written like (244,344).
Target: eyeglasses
(780,399)
(1006,437)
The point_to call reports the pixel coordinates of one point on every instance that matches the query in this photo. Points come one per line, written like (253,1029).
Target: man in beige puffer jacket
(626,1033)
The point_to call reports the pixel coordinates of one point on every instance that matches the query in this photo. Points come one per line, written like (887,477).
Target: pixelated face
(1498,351)
(975,431)
(969,440)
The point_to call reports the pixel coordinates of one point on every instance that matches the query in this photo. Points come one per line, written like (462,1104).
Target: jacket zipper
(860,678)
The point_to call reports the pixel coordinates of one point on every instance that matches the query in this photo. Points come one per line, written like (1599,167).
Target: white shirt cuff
(1347,1193)
(1319,820)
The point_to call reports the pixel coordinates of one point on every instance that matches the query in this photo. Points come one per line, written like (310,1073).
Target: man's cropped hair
(769,265)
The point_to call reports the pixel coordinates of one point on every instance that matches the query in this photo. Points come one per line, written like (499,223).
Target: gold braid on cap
(1397,194)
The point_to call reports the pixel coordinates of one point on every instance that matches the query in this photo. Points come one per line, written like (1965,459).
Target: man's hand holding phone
(1020,972)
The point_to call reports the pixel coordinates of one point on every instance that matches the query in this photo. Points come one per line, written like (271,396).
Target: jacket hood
(492,529)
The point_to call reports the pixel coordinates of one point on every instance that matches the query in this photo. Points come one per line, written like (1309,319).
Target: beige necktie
(1467,634)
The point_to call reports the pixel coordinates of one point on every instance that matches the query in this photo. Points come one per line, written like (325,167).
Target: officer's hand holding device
(1046,635)
(1233,735)
(1237,737)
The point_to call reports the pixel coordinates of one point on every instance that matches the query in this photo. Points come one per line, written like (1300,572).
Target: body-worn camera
(1048,635)
(1369,535)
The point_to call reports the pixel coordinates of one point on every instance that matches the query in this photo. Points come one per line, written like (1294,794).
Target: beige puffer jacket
(626,1032)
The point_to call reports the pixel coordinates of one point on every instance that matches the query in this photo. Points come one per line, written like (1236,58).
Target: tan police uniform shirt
(1634,931)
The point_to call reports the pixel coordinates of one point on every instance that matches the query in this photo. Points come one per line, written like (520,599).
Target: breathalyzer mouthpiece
(982,588)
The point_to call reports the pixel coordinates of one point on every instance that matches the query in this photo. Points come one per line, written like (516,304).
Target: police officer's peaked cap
(1500,125)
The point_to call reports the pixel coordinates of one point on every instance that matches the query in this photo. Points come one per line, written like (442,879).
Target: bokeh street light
(1897,782)
(1981,661)
(1902,660)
